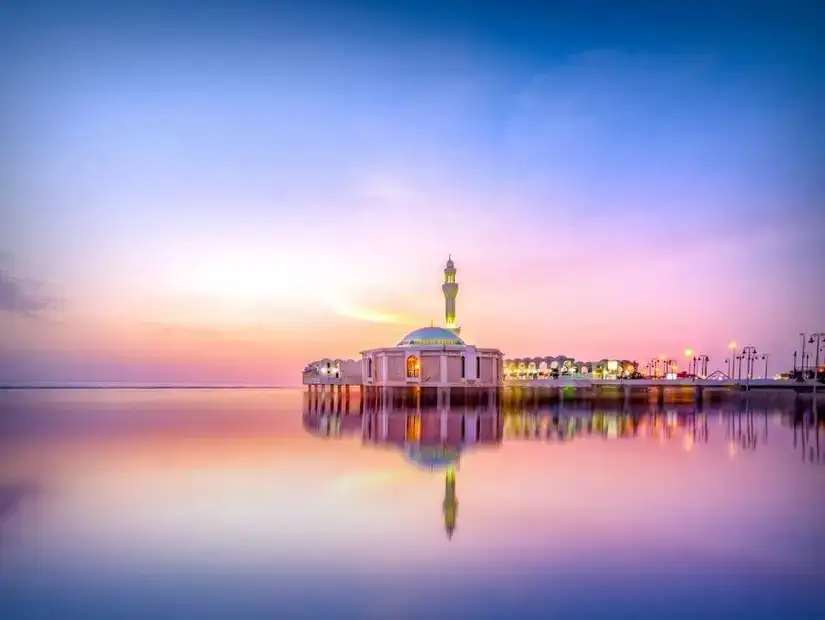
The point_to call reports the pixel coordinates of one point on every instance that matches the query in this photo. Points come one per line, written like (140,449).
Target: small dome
(430,335)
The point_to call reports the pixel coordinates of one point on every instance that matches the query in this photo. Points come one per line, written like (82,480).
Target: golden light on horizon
(688,352)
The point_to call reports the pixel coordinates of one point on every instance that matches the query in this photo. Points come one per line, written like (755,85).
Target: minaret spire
(450,288)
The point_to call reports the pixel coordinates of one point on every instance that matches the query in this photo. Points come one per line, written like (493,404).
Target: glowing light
(688,352)
(351,311)
(662,356)
(687,443)
(732,346)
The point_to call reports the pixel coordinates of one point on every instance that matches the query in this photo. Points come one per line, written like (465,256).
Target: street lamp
(765,357)
(816,338)
(732,367)
(703,359)
(802,355)
(749,353)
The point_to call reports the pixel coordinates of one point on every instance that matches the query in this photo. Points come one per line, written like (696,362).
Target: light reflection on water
(243,503)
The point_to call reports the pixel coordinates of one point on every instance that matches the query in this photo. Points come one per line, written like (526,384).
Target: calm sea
(271,504)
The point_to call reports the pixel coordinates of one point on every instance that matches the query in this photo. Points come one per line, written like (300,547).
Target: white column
(442,367)
(384,369)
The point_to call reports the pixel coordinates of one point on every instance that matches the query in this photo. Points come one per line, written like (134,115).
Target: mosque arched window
(478,368)
(369,367)
(463,365)
(413,367)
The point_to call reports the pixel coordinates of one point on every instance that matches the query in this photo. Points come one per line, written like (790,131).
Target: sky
(221,192)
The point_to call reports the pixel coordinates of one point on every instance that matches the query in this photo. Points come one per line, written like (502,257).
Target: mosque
(426,357)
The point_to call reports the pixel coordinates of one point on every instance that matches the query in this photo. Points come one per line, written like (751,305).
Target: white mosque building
(428,357)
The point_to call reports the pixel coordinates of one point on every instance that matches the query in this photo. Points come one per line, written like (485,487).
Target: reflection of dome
(433,457)
(430,335)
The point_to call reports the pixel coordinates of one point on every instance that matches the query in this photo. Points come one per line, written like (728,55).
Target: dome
(430,335)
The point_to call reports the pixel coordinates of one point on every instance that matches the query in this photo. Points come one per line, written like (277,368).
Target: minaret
(450,289)
(450,506)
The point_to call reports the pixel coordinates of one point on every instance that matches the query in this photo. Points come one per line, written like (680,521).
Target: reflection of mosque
(431,428)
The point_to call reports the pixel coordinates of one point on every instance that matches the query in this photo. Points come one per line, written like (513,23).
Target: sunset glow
(227,203)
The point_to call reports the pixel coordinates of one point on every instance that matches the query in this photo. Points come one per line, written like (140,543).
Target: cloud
(22,297)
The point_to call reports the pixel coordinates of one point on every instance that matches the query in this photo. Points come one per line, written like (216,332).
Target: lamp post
(703,359)
(750,355)
(794,364)
(802,356)
(739,359)
(816,338)
(692,364)
(669,364)
(765,357)
(732,369)
(653,367)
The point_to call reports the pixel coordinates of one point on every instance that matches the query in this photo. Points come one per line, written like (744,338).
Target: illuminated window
(413,367)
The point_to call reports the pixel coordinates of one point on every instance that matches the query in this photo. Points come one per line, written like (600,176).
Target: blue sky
(148,146)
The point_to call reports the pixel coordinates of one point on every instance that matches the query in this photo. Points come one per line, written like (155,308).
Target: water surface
(271,504)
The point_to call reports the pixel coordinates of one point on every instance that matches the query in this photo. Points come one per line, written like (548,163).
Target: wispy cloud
(20,296)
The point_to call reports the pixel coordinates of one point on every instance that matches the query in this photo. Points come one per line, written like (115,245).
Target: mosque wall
(431,367)
(488,369)
(395,367)
(454,369)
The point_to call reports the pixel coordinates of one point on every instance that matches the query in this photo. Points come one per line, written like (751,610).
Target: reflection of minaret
(450,289)
(450,502)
